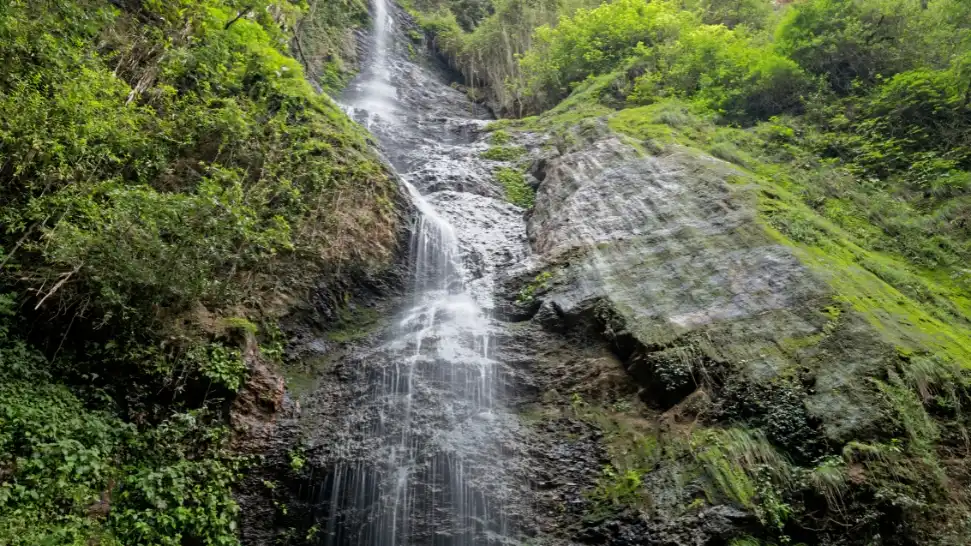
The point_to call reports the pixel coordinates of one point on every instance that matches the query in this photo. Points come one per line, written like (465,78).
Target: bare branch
(239,16)
(64,278)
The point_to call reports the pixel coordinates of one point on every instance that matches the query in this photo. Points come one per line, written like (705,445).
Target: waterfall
(427,469)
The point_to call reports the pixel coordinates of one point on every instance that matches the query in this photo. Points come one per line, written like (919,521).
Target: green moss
(540,282)
(669,121)
(834,316)
(354,324)
(517,191)
(906,307)
(502,124)
(898,318)
(633,123)
(846,215)
(241,324)
(583,106)
(504,153)
(500,137)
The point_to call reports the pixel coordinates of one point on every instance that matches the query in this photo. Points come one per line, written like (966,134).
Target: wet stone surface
(453,420)
(412,435)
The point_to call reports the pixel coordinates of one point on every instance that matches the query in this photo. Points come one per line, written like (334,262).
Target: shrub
(67,464)
(751,13)
(595,41)
(847,41)
(164,165)
(925,109)
(147,173)
(726,72)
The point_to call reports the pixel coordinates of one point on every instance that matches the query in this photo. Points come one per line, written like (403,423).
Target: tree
(848,42)
(732,13)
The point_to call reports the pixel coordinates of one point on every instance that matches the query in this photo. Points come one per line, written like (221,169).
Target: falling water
(428,467)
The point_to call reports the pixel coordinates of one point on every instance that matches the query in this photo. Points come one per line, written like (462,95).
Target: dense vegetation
(324,40)
(169,185)
(852,121)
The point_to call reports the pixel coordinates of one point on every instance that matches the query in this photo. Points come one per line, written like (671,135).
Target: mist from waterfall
(435,389)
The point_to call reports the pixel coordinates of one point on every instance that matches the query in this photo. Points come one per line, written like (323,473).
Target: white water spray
(437,383)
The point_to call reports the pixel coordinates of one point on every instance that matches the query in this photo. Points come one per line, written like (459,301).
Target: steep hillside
(766,210)
(171,186)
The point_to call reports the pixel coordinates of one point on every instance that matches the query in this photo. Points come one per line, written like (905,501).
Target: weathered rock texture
(641,295)
(685,276)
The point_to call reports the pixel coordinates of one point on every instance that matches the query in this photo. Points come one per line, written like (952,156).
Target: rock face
(258,404)
(668,251)
(537,349)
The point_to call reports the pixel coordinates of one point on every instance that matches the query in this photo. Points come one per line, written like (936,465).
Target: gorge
(485,272)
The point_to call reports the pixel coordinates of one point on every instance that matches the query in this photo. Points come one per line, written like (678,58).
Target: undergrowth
(324,41)
(171,184)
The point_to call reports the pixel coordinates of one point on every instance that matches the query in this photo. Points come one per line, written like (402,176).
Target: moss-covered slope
(739,301)
(764,206)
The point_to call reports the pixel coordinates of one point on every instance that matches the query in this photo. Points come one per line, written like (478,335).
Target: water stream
(421,458)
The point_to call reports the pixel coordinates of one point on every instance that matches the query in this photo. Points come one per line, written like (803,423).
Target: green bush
(178,487)
(82,476)
(163,166)
(926,110)
(185,163)
(751,13)
(848,41)
(595,41)
(724,71)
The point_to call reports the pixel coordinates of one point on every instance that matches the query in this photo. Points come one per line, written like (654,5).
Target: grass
(652,469)
(830,478)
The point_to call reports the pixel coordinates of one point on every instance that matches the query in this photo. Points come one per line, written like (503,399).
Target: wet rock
(657,271)
(516,311)
(666,259)
(714,525)
(255,409)
(549,316)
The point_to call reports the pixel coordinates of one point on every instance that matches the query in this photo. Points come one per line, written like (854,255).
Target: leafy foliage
(847,41)
(204,158)
(147,172)
(168,179)
(539,283)
(78,475)
(323,40)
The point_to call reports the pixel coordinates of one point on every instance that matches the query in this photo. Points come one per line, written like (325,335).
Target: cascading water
(422,460)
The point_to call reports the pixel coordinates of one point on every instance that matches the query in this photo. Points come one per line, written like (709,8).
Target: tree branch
(64,278)
(239,16)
